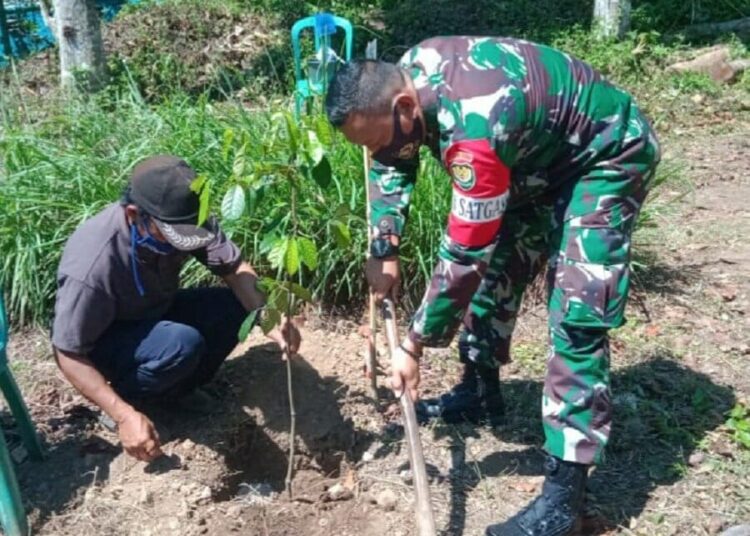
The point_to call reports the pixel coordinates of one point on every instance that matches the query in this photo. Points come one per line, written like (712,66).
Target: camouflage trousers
(581,230)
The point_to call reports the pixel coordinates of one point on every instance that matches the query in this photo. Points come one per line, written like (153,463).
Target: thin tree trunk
(611,18)
(4,31)
(82,62)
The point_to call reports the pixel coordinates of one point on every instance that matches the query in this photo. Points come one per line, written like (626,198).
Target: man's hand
(384,277)
(138,436)
(286,332)
(405,371)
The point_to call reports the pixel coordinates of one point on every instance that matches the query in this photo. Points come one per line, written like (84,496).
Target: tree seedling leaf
(233,204)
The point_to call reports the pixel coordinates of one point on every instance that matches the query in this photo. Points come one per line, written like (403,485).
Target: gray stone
(387,500)
(738,530)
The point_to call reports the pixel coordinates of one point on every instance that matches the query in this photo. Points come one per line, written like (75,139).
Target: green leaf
(198,184)
(292,133)
(268,242)
(315,150)
(279,298)
(323,130)
(291,259)
(233,203)
(309,253)
(252,200)
(240,162)
(271,318)
(322,173)
(247,325)
(277,255)
(341,234)
(342,211)
(226,143)
(301,292)
(267,284)
(202,187)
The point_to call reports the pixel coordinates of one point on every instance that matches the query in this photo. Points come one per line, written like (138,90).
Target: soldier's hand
(404,374)
(139,437)
(384,277)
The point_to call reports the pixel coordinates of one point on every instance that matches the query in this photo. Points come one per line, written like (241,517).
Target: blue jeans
(171,356)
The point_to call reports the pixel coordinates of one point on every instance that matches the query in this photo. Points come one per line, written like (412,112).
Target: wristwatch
(381,248)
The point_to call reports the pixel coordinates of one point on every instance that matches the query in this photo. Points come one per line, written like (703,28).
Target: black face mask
(402,146)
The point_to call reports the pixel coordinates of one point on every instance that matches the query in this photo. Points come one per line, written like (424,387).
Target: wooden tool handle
(423,506)
(371,359)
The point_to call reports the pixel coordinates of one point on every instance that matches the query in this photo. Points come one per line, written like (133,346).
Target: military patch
(463,175)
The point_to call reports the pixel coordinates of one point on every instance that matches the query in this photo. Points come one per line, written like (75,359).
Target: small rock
(146,497)
(234,511)
(696,458)
(173,523)
(387,500)
(367,457)
(339,492)
(716,524)
(204,493)
(738,530)
(405,476)
(19,454)
(188,448)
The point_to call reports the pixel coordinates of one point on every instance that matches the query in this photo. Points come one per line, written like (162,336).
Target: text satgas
(474,210)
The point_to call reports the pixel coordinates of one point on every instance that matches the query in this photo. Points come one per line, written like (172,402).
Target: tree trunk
(5,33)
(611,18)
(82,62)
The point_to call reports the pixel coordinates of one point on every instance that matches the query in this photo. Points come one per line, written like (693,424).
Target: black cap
(160,186)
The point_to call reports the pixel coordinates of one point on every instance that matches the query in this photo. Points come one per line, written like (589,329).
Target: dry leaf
(728,293)
(525,486)
(652,330)
(350,480)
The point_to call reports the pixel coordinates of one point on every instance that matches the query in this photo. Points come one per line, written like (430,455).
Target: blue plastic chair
(12,514)
(312,78)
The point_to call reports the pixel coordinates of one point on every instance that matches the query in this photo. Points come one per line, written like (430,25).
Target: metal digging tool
(371,359)
(423,505)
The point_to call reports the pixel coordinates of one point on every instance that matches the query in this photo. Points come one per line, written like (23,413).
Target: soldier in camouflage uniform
(550,164)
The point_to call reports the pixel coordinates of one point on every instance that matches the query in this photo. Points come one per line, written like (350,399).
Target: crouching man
(124,332)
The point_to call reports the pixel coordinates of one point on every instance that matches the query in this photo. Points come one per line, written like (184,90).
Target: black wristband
(413,355)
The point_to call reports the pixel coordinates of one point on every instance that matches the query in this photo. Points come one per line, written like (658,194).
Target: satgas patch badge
(463,174)
(462,170)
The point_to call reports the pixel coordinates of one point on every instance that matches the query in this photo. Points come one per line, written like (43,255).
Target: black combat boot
(555,512)
(476,398)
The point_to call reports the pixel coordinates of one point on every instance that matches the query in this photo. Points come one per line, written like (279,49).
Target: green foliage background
(62,161)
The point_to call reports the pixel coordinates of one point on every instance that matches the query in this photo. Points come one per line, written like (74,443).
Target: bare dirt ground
(672,466)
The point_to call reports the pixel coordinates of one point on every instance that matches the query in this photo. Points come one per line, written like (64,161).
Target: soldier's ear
(405,103)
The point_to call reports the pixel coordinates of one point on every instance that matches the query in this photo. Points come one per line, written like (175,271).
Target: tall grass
(61,170)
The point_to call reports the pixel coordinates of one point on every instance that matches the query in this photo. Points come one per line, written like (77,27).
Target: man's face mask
(403,146)
(148,241)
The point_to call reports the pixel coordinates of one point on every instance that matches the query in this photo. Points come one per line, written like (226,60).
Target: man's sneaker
(476,398)
(555,512)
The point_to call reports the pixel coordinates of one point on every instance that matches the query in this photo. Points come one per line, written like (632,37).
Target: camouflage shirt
(508,119)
